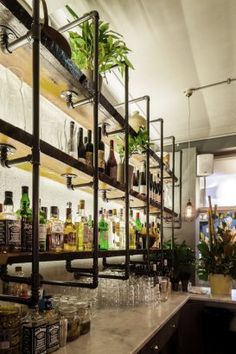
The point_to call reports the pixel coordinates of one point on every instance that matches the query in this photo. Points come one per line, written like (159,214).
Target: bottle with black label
(111,167)
(10,226)
(101,151)
(89,150)
(81,147)
(34,333)
(26,220)
(53,325)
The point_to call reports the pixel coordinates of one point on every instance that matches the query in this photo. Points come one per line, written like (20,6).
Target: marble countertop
(126,330)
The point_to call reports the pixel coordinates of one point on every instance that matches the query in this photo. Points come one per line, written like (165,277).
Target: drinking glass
(164,289)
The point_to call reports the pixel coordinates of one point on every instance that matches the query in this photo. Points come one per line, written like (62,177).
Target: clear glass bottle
(53,325)
(84,313)
(81,147)
(55,231)
(81,226)
(132,237)
(10,226)
(20,289)
(111,230)
(121,237)
(73,327)
(69,231)
(103,232)
(71,146)
(89,245)
(26,220)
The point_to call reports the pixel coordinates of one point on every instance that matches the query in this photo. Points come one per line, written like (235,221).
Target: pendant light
(189,211)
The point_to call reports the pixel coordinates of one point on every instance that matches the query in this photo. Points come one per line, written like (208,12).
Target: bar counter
(127,330)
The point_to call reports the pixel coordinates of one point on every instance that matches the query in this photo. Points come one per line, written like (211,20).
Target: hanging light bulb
(189,211)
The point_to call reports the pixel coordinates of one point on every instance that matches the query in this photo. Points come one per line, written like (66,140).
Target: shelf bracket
(70,97)
(71,186)
(5,151)
(9,41)
(114,132)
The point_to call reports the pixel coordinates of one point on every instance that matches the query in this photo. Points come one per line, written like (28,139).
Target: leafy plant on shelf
(218,251)
(112,49)
(137,144)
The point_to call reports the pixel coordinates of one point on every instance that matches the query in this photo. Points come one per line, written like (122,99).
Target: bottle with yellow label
(69,231)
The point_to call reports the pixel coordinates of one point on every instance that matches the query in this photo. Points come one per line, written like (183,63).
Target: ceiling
(176,44)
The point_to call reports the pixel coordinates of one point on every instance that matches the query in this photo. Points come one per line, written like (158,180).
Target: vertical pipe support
(35,152)
(127,255)
(148,177)
(161,182)
(173,194)
(96,95)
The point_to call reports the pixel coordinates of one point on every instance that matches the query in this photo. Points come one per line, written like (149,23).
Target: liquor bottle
(69,231)
(116,229)
(10,226)
(81,147)
(151,187)
(81,226)
(111,165)
(158,191)
(143,182)
(138,228)
(19,289)
(89,150)
(121,237)
(132,238)
(53,325)
(34,329)
(55,231)
(103,232)
(111,230)
(136,181)
(43,229)
(71,149)
(101,151)
(26,220)
(85,141)
(89,246)
(165,268)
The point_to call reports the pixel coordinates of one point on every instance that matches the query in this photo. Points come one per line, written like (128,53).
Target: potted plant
(182,264)
(112,49)
(217,262)
(137,145)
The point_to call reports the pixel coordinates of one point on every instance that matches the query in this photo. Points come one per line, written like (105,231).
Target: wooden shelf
(54,163)
(58,73)
(25,257)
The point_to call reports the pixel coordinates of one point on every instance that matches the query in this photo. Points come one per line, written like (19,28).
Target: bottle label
(10,234)
(9,338)
(53,335)
(101,161)
(27,235)
(89,158)
(70,238)
(86,233)
(34,340)
(42,237)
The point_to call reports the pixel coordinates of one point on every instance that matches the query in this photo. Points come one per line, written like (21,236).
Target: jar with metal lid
(10,329)
(84,313)
(73,324)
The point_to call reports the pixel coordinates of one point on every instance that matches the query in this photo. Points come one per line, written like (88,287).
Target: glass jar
(10,326)
(73,324)
(84,313)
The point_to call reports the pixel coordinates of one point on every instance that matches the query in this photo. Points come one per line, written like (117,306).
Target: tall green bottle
(103,232)
(26,220)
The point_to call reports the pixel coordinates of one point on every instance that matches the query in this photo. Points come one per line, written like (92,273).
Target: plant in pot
(182,264)
(112,49)
(137,145)
(217,262)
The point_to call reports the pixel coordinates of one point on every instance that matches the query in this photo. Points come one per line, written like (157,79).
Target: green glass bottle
(43,228)
(26,220)
(103,232)
(138,228)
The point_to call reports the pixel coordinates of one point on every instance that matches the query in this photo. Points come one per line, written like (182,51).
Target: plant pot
(121,174)
(89,76)
(136,121)
(220,284)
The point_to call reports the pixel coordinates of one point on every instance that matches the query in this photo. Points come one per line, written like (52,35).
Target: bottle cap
(82,204)
(137,215)
(8,194)
(110,212)
(45,210)
(54,210)
(25,189)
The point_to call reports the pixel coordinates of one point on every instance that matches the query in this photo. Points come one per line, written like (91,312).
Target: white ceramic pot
(136,121)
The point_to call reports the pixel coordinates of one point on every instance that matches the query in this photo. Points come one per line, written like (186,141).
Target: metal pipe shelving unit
(91,95)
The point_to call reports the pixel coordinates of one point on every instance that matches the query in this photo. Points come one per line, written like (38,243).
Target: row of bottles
(140,184)
(84,151)
(70,235)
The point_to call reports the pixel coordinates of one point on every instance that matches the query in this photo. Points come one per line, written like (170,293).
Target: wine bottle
(151,187)
(158,196)
(111,163)
(143,182)
(81,147)
(26,220)
(135,182)
(101,151)
(89,150)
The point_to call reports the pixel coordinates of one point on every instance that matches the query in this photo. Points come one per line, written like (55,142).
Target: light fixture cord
(189,116)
